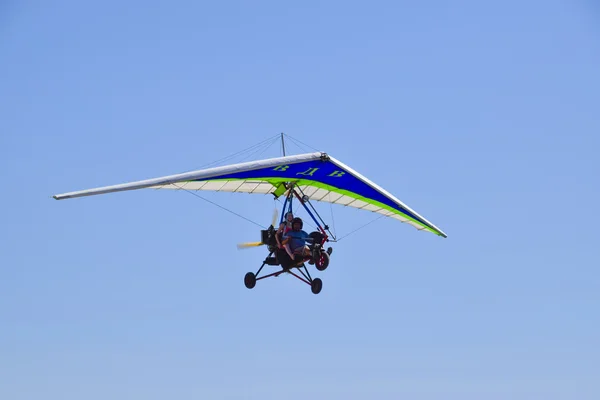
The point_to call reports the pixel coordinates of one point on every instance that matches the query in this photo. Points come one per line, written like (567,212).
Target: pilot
(297,238)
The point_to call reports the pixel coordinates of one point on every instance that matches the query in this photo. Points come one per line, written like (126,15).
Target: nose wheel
(322,261)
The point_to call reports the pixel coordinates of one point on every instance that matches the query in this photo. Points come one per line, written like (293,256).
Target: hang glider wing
(318,176)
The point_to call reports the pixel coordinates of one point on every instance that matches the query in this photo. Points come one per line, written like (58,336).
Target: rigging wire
(257,150)
(298,141)
(220,206)
(331,210)
(257,147)
(360,227)
(238,153)
(296,145)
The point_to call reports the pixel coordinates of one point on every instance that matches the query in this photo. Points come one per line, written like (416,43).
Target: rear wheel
(316,285)
(250,280)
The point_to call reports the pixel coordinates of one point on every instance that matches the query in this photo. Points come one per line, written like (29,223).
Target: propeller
(274,220)
(248,245)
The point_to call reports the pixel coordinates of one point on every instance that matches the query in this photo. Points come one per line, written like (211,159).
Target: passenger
(284,228)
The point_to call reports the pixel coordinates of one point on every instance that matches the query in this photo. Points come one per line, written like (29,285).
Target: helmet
(297,220)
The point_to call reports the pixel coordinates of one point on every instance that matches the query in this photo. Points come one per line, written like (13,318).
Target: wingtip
(442,234)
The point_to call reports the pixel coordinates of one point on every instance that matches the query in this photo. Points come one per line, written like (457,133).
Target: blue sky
(481,116)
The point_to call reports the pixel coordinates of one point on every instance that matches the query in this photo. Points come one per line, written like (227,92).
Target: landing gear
(315,284)
(317,255)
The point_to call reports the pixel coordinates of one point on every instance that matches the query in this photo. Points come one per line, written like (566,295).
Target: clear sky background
(482,116)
